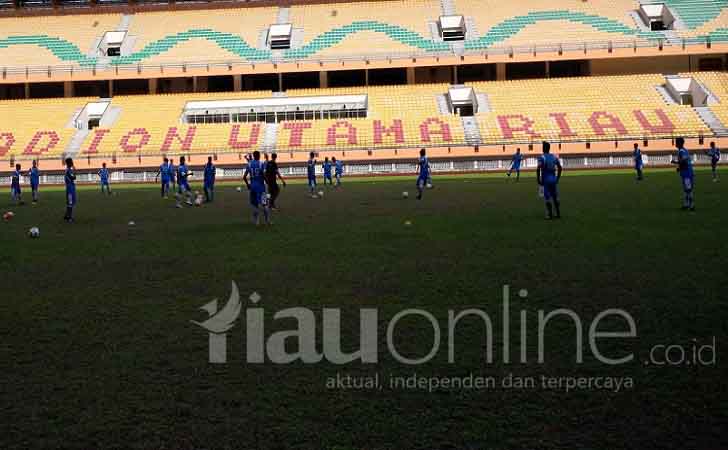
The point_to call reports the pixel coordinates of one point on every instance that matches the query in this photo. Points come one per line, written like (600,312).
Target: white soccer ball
(405,194)
(429,185)
(132,223)
(198,201)
(239,189)
(34,233)
(321,193)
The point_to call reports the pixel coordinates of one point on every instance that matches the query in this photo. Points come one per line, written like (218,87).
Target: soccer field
(98,349)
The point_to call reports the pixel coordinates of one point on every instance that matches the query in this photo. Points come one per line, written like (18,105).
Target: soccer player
(548,174)
(183,187)
(172,174)
(423,169)
(311,172)
(272,175)
(164,173)
(516,164)
(104,177)
(34,176)
(638,164)
(69,179)
(685,169)
(714,155)
(327,171)
(209,183)
(256,186)
(15,191)
(338,170)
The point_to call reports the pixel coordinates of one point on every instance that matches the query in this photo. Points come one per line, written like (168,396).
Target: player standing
(327,171)
(34,176)
(423,169)
(104,177)
(516,164)
(256,186)
(272,175)
(183,187)
(172,174)
(714,155)
(548,175)
(15,191)
(685,169)
(638,163)
(311,172)
(338,170)
(69,178)
(163,173)
(209,184)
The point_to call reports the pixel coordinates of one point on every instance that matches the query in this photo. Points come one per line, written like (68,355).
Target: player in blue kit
(327,172)
(714,155)
(685,169)
(638,163)
(15,191)
(338,170)
(256,186)
(69,178)
(104,178)
(311,173)
(183,186)
(34,176)
(423,170)
(548,174)
(209,180)
(516,161)
(164,175)
(172,175)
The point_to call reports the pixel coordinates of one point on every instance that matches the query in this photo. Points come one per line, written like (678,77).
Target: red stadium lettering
(143,135)
(8,141)
(564,128)
(172,133)
(508,130)
(296,132)
(600,127)
(426,132)
(396,130)
(236,143)
(332,133)
(666,125)
(53,140)
(99,134)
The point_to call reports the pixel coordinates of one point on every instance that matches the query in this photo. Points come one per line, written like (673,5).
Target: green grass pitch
(98,350)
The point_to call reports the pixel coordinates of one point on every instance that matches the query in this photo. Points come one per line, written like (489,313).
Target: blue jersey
(104,175)
(210,172)
(637,156)
(257,176)
(339,168)
(548,164)
(685,163)
(34,175)
(69,178)
(327,169)
(172,172)
(516,161)
(182,174)
(15,179)
(164,172)
(311,169)
(424,167)
(714,154)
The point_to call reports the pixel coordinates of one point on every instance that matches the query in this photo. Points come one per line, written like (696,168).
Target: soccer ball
(405,194)
(8,216)
(198,200)
(407,223)
(429,185)
(239,189)
(131,223)
(321,193)
(34,233)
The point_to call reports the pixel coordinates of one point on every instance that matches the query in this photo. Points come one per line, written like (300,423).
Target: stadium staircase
(270,136)
(74,145)
(711,120)
(471,130)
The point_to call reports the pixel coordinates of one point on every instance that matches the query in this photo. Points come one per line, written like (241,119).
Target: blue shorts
(688,183)
(422,180)
(15,189)
(208,185)
(312,182)
(71,196)
(257,198)
(34,186)
(104,183)
(516,167)
(184,187)
(550,191)
(327,176)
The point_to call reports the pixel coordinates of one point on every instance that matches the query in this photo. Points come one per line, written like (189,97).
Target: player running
(638,163)
(15,191)
(423,169)
(338,170)
(34,176)
(548,175)
(685,169)
(104,177)
(163,172)
(714,155)
(516,164)
(311,172)
(272,175)
(183,187)
(209,183)
(69,178)
(256,186)
(327,171)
